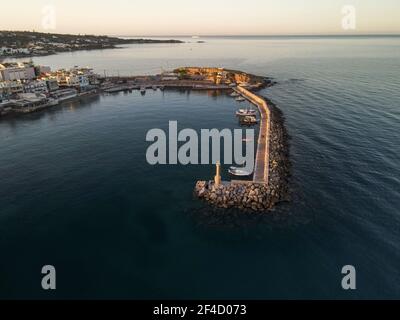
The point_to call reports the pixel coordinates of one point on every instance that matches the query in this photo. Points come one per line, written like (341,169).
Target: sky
(201,17)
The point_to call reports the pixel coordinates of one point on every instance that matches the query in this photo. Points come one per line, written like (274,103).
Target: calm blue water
(77,193)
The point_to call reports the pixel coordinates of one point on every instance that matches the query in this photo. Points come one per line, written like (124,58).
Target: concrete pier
(255,195)
(261,166)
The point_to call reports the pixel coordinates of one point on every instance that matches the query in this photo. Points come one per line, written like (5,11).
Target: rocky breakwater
(246,195)
(279,161)
(249,195)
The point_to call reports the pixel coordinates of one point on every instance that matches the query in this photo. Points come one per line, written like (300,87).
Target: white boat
(234,94)
(240,172)
(64,94)
(154,88)
(246,112)
(52,102)
(114,89)
(240,99)
(142,89)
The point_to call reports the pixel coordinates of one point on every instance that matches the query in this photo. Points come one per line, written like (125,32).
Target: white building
(76,77)
(16,71)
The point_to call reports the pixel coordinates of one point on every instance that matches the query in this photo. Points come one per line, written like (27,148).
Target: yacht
(246,112)
(64,94)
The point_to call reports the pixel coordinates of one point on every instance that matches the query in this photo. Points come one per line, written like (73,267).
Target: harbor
(258,193)
(261,193)
(26,88)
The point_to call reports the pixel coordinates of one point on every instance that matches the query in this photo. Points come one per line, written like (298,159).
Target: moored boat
(64,94)
(248,120)
(240,172)
(246,112)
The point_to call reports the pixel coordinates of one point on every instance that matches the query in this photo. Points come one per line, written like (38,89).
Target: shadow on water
(81,102)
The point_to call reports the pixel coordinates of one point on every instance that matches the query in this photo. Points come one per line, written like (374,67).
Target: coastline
(272,165)
(109,85)
(27,44)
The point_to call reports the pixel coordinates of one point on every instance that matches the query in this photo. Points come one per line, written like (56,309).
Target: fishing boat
(248,120)
(52,102)
(246,112)
(240,99)
(114,89)
(240,172)
(64,94)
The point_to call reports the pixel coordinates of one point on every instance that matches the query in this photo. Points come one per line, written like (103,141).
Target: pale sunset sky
(201,17)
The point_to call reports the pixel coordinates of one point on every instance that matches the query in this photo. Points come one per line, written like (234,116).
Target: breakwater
(270,184)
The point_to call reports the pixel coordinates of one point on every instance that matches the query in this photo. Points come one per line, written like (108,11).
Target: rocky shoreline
(251,196)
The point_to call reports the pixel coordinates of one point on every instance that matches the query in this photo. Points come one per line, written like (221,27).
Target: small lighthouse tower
(217,178)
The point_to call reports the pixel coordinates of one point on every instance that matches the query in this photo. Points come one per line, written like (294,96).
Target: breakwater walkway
(261,165)
(262,192)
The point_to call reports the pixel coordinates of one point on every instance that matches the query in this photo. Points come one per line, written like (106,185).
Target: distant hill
(30,43)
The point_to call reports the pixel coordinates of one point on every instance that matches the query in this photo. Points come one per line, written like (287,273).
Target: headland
(19,44)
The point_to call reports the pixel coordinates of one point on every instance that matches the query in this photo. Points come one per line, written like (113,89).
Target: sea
(77,193)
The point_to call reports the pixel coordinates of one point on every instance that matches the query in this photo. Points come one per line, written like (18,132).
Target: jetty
(271,168)
(261,165)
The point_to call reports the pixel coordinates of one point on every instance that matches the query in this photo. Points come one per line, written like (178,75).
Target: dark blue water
(76,191)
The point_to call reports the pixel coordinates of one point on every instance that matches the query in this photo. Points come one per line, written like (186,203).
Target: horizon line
(265,35)
(218,35)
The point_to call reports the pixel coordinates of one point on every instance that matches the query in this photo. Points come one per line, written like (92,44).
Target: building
(36,86)
(3,90)
(8,88)
(42,70)
(80,78)
(16,71)
(52,84)
(73,80)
